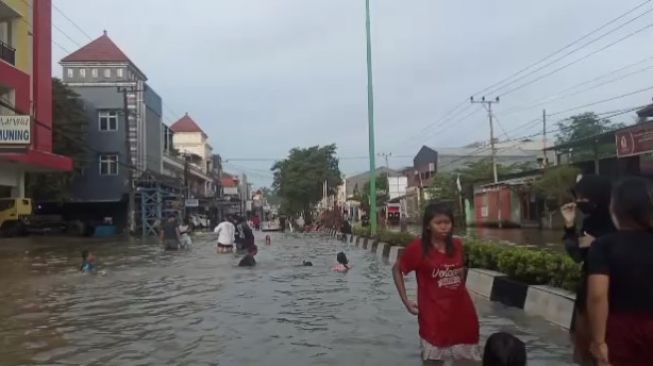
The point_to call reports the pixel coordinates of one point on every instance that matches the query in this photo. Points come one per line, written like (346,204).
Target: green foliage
(524,264)
(381,193)
(361,231)
(582,126)
(555,183)
(443,187)
(68,139)
(396,238)
(298,179)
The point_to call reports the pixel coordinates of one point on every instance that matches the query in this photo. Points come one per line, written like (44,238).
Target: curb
(553,304)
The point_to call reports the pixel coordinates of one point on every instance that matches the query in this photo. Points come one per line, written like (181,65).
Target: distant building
(96,72)
(26,89)
(190,143)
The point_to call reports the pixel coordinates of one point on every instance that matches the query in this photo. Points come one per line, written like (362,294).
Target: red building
(511,202)
(26,90)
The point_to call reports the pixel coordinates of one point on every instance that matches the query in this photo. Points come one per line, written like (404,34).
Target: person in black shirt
(591,197)
(620,294)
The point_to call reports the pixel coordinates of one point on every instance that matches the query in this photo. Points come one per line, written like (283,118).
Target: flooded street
(197,308)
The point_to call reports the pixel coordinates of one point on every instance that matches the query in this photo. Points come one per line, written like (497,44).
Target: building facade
(124,120)
(26,89)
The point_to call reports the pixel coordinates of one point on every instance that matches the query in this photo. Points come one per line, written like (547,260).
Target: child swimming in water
(88,262)
(343,263)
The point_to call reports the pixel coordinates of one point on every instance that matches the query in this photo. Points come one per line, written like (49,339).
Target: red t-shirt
(446,312)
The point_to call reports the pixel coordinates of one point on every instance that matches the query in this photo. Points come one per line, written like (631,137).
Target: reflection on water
(197,308)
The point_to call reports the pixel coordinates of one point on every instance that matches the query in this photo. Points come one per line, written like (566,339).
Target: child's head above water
(342,258)
(503,349)
(87,256)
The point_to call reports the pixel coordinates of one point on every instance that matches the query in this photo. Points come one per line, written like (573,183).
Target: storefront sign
(192,202)
(634,141)
(15,130)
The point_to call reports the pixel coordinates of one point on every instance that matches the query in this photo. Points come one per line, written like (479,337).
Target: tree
(555,184)
(582,126)
(271,196)
(299,178)
(443,187)
(68,139)
(381,193)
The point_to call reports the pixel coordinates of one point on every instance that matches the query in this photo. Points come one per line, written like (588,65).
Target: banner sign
(15,130)
(634,141)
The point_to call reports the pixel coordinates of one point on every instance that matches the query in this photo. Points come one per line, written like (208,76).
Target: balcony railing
(7,53)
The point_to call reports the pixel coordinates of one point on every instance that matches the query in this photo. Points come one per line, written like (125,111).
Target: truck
(17,217)
(14,216)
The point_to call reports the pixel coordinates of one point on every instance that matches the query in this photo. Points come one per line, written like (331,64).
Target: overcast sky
(264,76)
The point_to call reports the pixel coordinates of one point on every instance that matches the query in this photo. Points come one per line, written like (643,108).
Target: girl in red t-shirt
(448,324)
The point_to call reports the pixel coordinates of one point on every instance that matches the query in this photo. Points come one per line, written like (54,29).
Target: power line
(521,71)
(578,60)
(71,22)
(496,86)
(563,94)
(602,101)
(66,35)
(83,144)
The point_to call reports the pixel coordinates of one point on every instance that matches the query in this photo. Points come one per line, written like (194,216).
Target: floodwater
(197,308)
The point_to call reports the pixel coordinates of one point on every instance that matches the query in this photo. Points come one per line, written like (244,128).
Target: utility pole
(545,163)
(130,163)
(488,105)
(387,164)
(370,120)
(186,181)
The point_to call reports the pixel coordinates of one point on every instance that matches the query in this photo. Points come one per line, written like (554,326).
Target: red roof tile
(186,124)
(229,182)
(102,49)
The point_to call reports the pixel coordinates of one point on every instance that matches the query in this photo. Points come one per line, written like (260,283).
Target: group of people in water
(236,236)
(613,320)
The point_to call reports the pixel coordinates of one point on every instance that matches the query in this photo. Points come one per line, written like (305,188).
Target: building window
(107,73)
(70,72)
(108,120)
(94,73)
(82,73)
(109,164)
(119,73)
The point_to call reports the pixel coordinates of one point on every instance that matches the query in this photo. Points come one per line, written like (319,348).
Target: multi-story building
(124,130)
(26,90)
(190,144)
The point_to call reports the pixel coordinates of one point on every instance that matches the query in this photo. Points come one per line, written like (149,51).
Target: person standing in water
(592,198)
(226,236)
(169,235)
(448,324)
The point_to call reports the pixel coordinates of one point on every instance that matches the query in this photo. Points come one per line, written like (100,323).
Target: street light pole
(370,119)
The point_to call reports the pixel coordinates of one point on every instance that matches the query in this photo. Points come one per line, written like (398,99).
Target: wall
(21,34)
(91,186)
(12,177)
(490,200)
(153,130)
(100,67)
